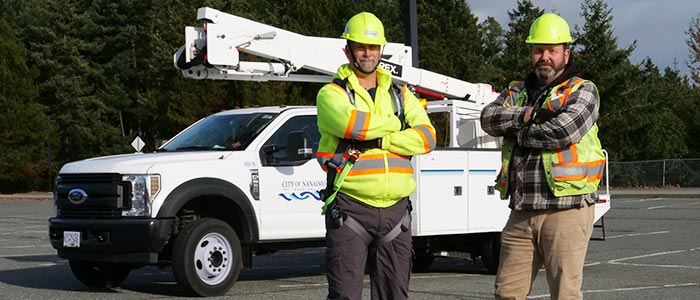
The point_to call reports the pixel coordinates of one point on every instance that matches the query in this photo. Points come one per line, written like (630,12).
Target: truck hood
(139,163)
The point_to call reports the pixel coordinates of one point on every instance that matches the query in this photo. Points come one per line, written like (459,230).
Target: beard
(367,65)
(543,73)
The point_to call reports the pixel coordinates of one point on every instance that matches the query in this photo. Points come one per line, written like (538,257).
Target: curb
(677,193)
(29,196)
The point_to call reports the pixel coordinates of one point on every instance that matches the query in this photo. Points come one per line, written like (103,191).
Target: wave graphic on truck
(301,196)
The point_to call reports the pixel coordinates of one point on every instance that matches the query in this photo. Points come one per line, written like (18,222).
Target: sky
(658,26)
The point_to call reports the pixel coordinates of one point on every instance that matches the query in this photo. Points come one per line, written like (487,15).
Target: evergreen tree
(61,45)
(693,42)
(690,112)
(683,100)
(24,128)
(449,40)
(493,39)
(600,61)
(516,56)
(659,132)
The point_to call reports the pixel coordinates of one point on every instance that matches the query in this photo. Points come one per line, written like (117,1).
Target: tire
(490,250)
(207,257)
(99,274)
(422,259)
(421,263)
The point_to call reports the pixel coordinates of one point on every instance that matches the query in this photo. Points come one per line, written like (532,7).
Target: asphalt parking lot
(651,251)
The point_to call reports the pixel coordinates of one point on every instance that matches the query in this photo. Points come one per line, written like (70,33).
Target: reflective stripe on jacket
(573,170)
(380,177)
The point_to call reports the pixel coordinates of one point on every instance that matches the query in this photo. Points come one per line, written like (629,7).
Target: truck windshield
(221,132)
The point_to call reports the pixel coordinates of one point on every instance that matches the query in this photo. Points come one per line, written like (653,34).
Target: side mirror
(299,146)
(270,149)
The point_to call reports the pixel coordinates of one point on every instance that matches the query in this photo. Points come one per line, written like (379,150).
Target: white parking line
(22,232)
(286,267)
(366,280)
(676,205)
(301,285)
(26,255)
(36,226)
(636,234)
(639,200)
(619,260)
(639,288)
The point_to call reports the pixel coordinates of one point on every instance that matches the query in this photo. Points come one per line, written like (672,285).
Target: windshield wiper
(194,147)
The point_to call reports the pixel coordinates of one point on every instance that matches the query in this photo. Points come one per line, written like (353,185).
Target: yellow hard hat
(365,28)
(549,29)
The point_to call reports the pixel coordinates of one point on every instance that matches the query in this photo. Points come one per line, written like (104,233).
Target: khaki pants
(557,239)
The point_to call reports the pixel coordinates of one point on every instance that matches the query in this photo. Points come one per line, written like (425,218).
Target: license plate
(71,239)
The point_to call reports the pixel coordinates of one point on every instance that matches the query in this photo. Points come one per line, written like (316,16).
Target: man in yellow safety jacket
(552,163)
(369,129)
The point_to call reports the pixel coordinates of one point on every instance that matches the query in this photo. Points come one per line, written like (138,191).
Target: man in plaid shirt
(552,164)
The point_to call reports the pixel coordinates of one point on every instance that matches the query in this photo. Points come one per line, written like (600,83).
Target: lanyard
(354,155)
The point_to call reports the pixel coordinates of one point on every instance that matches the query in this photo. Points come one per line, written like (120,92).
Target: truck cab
(252,169)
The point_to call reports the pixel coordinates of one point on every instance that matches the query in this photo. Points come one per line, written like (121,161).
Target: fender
(200,187)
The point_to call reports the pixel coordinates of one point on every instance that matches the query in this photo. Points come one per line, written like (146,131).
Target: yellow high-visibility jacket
(380,177)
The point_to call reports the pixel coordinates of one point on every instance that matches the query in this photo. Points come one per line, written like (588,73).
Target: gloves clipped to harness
(540,115)
(363,146)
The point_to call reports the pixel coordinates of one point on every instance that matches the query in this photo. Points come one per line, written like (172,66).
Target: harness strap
(344,84)
(336,186)
(395,91)
(355,226)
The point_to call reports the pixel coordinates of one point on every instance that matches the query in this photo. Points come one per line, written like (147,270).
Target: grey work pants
(347,254)
(557,239)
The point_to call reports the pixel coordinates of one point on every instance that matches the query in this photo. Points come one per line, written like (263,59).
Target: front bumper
(121,240)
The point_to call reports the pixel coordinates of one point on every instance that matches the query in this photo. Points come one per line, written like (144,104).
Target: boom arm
(215,51)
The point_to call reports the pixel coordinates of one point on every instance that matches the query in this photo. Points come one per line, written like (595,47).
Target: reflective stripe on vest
(359,120)
(592,171)
(554,104)
(568,166)
(514,92)
(377,164)
(337,159)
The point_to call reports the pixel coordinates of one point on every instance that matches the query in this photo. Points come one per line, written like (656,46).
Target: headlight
(144,189)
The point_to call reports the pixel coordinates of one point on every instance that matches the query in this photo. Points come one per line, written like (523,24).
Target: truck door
(290,181)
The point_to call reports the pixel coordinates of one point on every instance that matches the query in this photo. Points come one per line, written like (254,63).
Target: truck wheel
(490,251)
(207,257)
(422,262)
(422,258)
(99,274)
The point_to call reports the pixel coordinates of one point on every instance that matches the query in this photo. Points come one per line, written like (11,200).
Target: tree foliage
(693,42)
(23,125)
(87,77)
(516,56)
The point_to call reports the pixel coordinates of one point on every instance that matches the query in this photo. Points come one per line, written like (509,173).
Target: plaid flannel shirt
(527,186)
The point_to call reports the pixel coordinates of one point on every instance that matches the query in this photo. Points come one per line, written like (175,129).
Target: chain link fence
(655,173)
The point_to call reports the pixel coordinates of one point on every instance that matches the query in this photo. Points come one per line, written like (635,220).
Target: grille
(106,195)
